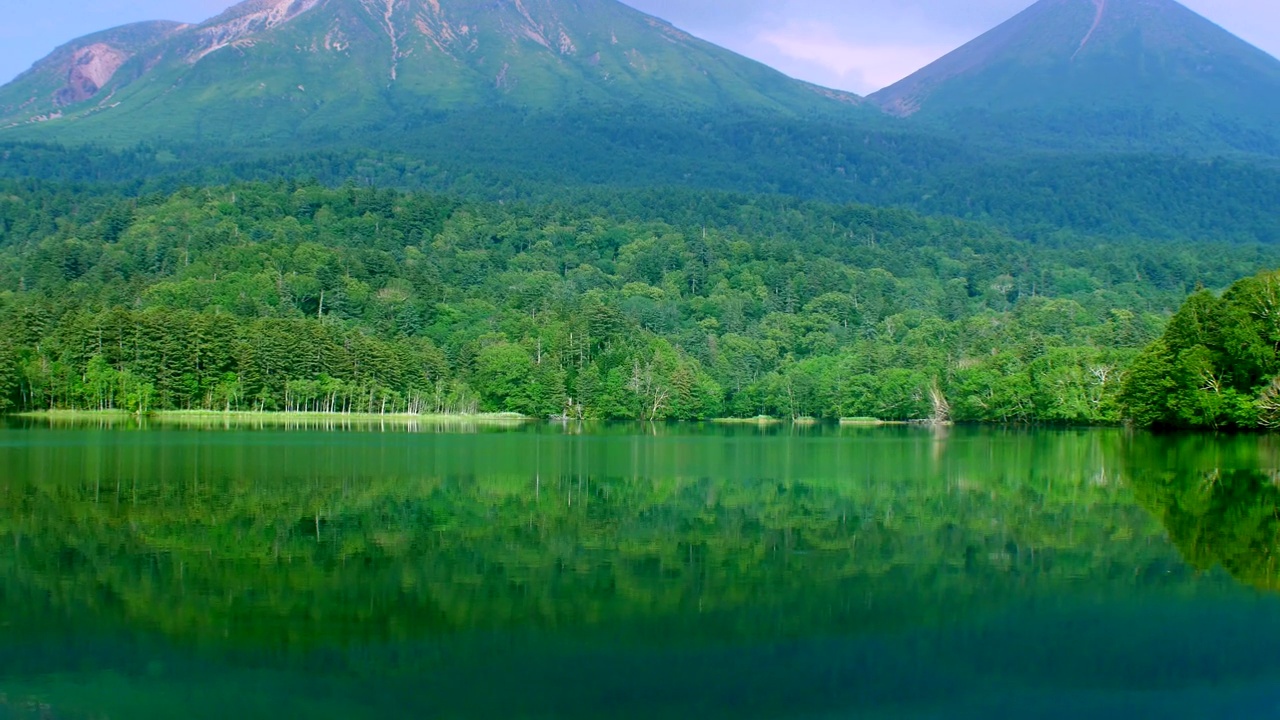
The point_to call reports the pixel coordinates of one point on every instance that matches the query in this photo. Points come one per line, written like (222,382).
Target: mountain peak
(345,62)
(1128,63)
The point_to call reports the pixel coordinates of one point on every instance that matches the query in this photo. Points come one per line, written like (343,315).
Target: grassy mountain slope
(272,70)
(1113,74)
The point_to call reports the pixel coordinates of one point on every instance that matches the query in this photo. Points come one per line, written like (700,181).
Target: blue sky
(858,45)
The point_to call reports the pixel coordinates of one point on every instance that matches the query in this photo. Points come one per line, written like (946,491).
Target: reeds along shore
(283,420)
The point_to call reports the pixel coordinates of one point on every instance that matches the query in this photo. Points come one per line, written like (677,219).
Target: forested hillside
(298,297)
(1135,198)
(1129,119)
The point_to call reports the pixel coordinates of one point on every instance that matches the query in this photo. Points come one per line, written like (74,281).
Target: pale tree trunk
(941,408)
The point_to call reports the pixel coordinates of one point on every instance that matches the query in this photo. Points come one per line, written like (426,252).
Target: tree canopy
(1216,365)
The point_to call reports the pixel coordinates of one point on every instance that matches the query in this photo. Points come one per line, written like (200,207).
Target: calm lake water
(636,572)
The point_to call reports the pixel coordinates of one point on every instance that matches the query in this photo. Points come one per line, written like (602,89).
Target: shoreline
(178,416)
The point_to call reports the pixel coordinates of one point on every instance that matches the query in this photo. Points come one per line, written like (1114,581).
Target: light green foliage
(504,378)
(10,377)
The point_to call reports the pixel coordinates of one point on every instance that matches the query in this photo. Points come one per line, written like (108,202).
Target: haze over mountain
(1123,74)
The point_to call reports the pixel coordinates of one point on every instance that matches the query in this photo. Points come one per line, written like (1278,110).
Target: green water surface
(551,571)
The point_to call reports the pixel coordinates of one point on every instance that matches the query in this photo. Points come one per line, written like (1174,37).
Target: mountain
(77,72)
(1108,74)
(271,69)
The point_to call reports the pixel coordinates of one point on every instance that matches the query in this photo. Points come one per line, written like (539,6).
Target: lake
(549,571)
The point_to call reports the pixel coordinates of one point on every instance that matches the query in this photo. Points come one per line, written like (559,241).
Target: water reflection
(290,538)
(631,571)
(1218,499)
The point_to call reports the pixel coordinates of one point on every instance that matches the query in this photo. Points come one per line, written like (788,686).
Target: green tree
(10,378)
(504,377)
(1215,364)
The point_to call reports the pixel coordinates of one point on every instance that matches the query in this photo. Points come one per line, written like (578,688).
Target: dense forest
(1136,196)
(653,305)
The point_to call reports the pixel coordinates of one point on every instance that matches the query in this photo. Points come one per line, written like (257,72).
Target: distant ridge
(1131,74)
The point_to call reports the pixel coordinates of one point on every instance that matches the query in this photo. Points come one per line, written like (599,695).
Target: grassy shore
(758,420)
(77,415)
(284,418)
(180,417)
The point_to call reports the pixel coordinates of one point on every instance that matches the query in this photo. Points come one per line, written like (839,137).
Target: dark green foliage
(1216,365)
(1133,197)
(1166,135)
(177,359)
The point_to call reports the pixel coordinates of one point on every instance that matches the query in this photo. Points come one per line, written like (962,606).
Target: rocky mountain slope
(79,71)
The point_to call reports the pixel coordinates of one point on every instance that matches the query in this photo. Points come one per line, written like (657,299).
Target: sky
(857,45)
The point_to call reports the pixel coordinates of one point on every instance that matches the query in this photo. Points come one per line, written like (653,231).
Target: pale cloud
(859,66)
